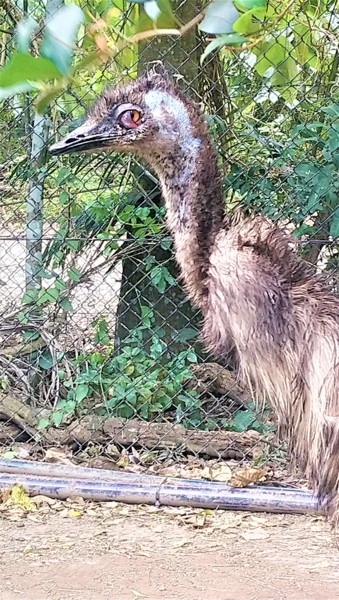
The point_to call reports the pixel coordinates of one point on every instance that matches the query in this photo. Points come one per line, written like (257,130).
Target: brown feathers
(262,305)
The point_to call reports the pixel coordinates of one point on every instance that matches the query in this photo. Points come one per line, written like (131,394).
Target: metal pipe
(30,467)
(64,481)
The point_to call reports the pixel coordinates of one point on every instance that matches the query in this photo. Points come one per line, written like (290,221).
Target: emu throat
(191,187)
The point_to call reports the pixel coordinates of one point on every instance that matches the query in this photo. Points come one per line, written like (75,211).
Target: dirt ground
(81,551)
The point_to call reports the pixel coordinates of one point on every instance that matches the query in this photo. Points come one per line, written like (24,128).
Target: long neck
(191,186)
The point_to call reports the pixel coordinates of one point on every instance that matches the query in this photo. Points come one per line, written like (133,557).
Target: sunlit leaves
(230,39)
(24,32)
(219,17)
(249,4)
(23,67)
(22,70)
(60,35)
(256,26)
(244,24)
(276,63)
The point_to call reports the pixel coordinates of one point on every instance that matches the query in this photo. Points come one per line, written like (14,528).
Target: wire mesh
(103,361)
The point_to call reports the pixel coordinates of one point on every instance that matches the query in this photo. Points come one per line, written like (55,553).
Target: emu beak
(85,137)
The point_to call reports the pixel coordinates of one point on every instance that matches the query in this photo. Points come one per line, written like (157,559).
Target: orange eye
(130,119)
(135,115)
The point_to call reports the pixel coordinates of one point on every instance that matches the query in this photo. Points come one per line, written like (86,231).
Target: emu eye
(130,119)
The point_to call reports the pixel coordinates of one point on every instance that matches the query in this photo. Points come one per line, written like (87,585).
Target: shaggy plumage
(262,304)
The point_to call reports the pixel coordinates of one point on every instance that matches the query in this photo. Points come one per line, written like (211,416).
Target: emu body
(262,305)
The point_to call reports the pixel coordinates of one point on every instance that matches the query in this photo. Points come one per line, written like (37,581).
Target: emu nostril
(74,138)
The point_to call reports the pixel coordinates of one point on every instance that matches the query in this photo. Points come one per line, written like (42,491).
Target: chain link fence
(100,358)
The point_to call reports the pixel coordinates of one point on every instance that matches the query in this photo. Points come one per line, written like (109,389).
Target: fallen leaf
(112,451)
(245,477)
(58,455)
(220,472)
(39,500)
(76,500)
(20,498)
(5,495)
(197,520)
(123,462)
(138,594)
(74,514)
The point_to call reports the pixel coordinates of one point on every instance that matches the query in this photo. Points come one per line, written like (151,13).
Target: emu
(262,305)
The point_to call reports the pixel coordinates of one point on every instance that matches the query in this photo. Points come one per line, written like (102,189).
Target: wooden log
(130,432)
(221,444)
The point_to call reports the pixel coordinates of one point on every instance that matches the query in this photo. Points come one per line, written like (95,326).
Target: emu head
(148,116)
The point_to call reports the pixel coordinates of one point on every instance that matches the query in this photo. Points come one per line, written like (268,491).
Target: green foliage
(138,383)
(60,35)
(22,71)
(56,52)
(135,382)
(219,17)
(24,32)
(247,419)
(306,163)
(282,41)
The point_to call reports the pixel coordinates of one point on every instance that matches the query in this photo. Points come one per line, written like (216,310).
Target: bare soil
(67,551)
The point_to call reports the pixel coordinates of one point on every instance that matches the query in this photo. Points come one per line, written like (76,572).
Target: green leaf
(129,370)
(332,110)
(229,39)
(244,24)
(73,244)
(43,423)
(275,61)
(101,336)
(302,42)
(74,274)
(66,305)
(270,54)
(126,411)
(243,420)
(186,334)
(219,18)
(47,296)
(46,361)
(23,318)
(60,36)
(306,169)
(57,418)
(24,33)
(24,68)
(30,335)
(81,391)
(44,99)
(60,285)
(285,79)
(192,357)
(165,8)
(29,297)
(249,4)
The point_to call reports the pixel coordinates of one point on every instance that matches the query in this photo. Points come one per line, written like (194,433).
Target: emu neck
(191,186)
